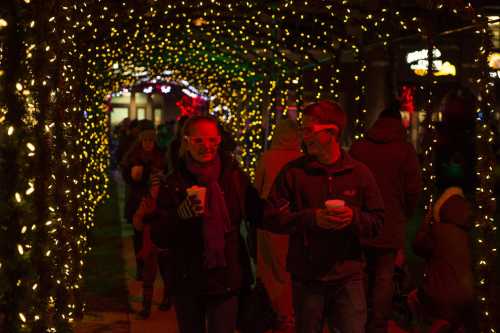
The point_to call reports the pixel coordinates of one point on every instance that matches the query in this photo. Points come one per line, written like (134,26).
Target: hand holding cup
(197,196)
(136,172)
(336,216)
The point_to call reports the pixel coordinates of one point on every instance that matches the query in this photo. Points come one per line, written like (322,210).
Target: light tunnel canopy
(251,55)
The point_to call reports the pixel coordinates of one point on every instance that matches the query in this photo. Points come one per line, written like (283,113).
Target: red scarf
(216,217)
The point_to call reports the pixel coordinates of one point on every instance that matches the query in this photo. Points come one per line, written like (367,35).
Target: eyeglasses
(309,131)
(199,140)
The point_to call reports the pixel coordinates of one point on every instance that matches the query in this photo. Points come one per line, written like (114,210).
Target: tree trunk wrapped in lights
(484,196)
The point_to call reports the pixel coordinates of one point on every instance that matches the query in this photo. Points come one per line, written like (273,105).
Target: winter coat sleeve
(412,181)
(424,243)
(125,168)
(281,215)
(130,160)
(368,218)
(165,219)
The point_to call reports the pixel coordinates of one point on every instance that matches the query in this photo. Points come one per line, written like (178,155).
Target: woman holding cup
(200,208)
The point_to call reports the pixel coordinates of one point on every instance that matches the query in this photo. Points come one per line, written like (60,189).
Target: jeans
(139,264)
(219,311)
(154,261)
(380,287)
(341,302)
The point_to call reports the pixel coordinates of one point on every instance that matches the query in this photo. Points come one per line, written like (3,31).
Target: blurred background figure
(445,300)
(165,135)
(129,131)
(136,168)
(175,145)
(395,166)
(117,136)
(273,248)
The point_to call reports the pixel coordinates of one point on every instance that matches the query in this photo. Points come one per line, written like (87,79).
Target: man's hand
(334,219)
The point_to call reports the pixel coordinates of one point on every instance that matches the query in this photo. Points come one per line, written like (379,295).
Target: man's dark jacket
(314,253)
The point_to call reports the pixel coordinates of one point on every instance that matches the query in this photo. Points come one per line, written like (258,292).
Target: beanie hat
(327,112)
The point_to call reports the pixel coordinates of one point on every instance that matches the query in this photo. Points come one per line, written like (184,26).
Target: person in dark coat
(210,263)
(136,168)
(394,163)
(325,257)
(443,240)
(128,136)
(149,254)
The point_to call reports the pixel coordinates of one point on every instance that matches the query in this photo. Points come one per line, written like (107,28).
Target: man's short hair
(327,112)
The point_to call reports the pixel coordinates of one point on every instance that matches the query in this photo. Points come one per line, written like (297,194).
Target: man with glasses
(327,202)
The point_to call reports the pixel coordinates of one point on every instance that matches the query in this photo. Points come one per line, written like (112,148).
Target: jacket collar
(345,162)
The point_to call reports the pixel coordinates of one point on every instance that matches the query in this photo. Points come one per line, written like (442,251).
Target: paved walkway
(105,309)
(127,322)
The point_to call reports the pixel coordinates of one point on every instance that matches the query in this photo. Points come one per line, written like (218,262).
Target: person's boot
(166,303)
(146,310)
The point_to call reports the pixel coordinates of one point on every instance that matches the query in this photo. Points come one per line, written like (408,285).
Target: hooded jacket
(285,147)
(443,240)
(395,166)
(273,248)
(305,184)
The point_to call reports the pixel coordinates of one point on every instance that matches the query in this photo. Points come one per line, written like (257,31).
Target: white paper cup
(200,193)
(334,203)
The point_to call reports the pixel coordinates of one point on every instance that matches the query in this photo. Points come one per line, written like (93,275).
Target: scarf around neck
(216,217)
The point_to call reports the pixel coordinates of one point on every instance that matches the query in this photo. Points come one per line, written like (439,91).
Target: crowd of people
(324,226)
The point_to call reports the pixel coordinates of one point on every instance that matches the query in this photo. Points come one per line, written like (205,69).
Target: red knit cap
(327,112)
